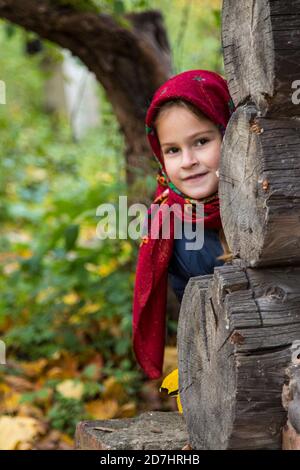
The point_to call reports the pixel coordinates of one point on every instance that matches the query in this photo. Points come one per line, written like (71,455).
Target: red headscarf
(208,91)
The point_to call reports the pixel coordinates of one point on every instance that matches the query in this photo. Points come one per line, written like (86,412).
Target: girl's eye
(172,150)
(203,141)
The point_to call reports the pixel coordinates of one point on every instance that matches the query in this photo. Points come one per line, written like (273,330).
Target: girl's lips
(196,177)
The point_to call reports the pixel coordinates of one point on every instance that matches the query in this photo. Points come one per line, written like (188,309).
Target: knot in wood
(275,293)
(236,338)
(255,128)
(265,185)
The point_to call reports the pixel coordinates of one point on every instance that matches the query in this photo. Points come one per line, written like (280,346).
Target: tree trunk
(130,63)
(236,337)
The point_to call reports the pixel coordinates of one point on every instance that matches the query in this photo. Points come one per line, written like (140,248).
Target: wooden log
(291,401)
(261,46)
(149,431)
(235,333)
(260,188)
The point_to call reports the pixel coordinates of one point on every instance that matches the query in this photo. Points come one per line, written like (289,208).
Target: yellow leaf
(25,253)
(55,373)
(44,294)
(11,402)
(71,389)
(71,299)
(34,368)
(127,411)
(89,308)
(4,388)
(179,406)
(106,269)
(102,409)
(85,310)
(102,270)
(113,389)
(17,430)
(170,384)
(67,439)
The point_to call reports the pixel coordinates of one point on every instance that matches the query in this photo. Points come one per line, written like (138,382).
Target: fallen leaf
(26,409)
(34,368)
(127,411)
(17,430)
(10,402)
(102,409)
(55,373)
(71,389)
(19,383)
(113,389)
(170,384)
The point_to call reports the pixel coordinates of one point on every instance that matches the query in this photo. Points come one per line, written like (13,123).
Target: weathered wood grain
(260,188)
(261,47)
(291,401)
(149,431)
(235,336)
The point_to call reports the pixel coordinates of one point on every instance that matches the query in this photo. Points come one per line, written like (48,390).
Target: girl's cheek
(213,159)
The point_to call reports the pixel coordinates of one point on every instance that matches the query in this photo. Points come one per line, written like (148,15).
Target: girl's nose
(188,158)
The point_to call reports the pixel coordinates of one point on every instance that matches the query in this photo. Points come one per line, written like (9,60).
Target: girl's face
(191,148)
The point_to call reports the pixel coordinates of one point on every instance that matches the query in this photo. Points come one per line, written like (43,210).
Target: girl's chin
(195,190)
(199,194)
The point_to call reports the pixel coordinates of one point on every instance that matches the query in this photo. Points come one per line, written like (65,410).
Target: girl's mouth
(195,177)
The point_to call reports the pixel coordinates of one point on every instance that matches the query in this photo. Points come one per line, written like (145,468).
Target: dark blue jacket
(188,263)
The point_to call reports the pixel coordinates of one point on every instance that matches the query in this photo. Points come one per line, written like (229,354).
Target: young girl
(185,124)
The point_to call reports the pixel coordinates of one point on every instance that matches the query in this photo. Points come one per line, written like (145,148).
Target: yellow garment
(170,384)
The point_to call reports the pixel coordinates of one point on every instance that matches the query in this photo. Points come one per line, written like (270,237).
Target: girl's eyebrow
(190,137)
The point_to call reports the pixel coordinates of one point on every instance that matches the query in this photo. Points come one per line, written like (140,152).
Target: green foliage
(194,29)
(66,413)
(51,188)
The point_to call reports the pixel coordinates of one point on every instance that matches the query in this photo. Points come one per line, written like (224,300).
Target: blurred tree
(128,52)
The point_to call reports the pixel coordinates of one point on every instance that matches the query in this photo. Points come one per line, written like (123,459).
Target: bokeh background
(66,296)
